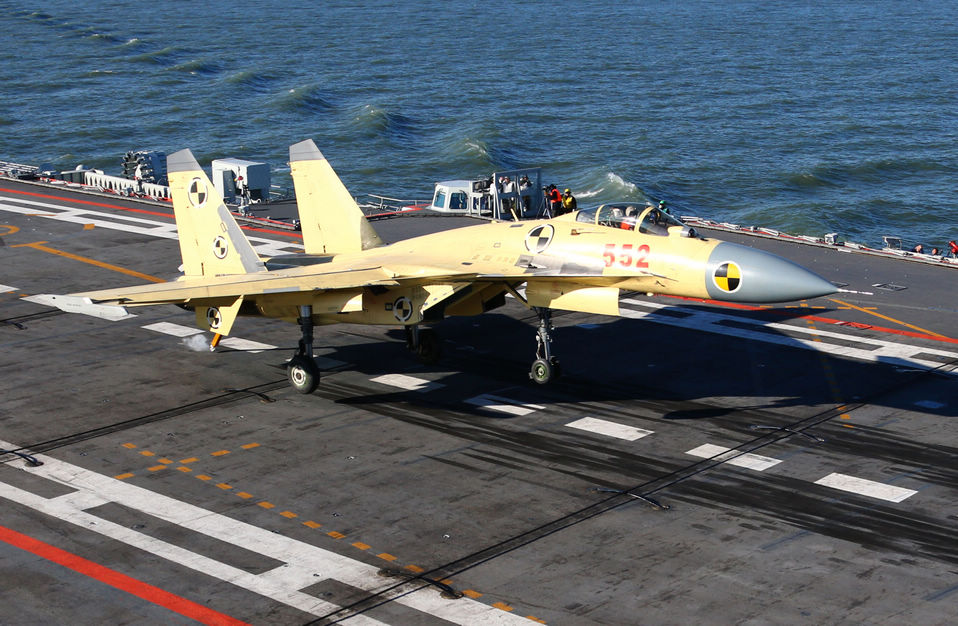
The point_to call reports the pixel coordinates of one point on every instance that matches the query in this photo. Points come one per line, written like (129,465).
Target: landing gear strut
(301,370)
(424,342)
(546,367)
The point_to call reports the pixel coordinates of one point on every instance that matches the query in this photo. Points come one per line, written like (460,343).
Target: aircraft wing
(235,285)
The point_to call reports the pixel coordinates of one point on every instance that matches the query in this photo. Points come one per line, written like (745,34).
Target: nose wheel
(302,371)
(546,367)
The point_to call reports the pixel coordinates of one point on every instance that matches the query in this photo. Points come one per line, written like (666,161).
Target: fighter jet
(576,262)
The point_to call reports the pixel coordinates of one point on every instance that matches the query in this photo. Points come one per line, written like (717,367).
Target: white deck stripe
(748,460)
(305,564)
(864,487)
(128,223)
(503,405)
(6,288)
(176,330)
(708,321)
(238,343)
(611,429)
(410,383)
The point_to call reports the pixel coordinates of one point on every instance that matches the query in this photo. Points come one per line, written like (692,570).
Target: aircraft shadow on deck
(690,374)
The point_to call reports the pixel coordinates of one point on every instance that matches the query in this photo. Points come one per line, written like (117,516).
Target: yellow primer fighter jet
(577,262)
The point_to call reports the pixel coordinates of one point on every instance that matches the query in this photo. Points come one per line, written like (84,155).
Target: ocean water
(809,117)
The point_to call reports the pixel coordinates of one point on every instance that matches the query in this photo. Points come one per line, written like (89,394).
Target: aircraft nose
(741,274)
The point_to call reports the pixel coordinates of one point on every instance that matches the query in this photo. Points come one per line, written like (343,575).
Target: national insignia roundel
(402,309)
(198,193)
(221,247)
(213,317)
(727,277)
(539,238)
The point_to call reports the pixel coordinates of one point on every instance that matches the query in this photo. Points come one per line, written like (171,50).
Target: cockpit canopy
(650,220)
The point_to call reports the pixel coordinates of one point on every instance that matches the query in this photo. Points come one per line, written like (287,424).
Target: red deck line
(115,579)
(89,202)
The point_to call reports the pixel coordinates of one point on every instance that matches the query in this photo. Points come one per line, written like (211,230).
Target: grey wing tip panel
(305,151)
(182,161)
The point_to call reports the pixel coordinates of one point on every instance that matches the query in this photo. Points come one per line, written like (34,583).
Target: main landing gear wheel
(546,367)
(429,349)
(425,343)
(303,374)
(302,371)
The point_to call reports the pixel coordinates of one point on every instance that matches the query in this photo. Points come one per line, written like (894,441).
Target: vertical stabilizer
(211,241)
(331,221)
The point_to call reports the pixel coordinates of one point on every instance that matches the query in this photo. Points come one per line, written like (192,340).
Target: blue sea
(808,117)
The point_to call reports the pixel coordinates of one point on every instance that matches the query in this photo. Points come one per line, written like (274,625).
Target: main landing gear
(424,342)
(302,370)
(546,367)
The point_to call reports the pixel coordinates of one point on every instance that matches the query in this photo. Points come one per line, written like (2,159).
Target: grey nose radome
(741,274)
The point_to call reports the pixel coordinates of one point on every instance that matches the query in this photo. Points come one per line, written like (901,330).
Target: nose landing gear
(546,367)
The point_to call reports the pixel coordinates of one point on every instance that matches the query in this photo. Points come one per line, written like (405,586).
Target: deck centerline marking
(866,487)
(747,460)
(610,429)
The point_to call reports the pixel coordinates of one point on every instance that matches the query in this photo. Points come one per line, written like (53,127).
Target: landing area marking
(302,562)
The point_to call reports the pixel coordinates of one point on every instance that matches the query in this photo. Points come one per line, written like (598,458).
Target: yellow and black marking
(198,193)
(727,277)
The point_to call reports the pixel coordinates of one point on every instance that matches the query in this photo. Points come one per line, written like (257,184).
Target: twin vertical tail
(211,241)
(331,221)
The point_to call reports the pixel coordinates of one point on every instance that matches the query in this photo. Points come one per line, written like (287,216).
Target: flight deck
(741,464)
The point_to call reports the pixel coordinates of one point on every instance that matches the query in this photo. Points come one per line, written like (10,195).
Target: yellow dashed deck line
(266,505)
(123,476)
(204,477)
(129,445)
(535,619)
(387,557)
(471,593)
(224,486)
(219,453)
(311,524)
(244,495)
(335,535)
(183,468)
(502,606)
(360,545)
(250,446)
(156,468)
(192,459)
(288,514)
(890,319)
(147,453)
(164,461)
(415,568)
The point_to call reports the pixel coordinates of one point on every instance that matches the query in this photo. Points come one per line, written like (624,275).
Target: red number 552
(625,256)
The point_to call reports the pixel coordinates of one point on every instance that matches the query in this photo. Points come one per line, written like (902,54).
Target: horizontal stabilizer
(79,304)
